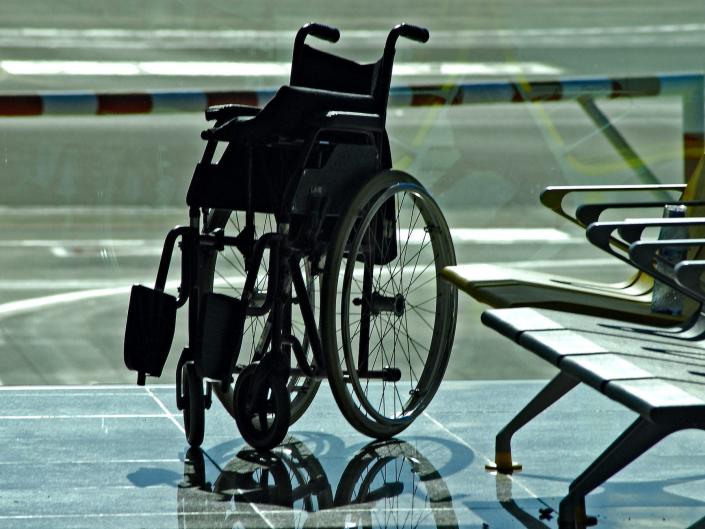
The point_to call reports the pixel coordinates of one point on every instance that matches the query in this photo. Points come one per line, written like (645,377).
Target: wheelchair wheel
(224,272)
(261,413)
(387,318)
(194,404)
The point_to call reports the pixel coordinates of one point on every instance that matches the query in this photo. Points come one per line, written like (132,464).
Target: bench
(630,300)
(657,372)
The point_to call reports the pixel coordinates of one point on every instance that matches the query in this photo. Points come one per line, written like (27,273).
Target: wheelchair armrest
(552,197)
(230,111)
(354,121)
(587,214)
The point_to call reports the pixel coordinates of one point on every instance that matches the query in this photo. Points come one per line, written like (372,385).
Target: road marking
(12,308)
(229,39)
(32,304)
(256,69)
(561,263)
(50,243)
(65,248)
(495,236)
(9,285)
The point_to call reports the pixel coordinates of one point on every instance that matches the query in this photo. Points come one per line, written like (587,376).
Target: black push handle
(408,31)
(320,31)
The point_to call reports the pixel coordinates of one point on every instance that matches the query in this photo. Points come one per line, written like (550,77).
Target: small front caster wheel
(194,404)
(262,408)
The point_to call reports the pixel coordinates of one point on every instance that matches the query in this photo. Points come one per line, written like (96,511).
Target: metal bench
(629,300)
(657,372)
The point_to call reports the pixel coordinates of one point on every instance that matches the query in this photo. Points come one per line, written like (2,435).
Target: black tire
(216,271)
(194,405)
(262,417)
(373,291)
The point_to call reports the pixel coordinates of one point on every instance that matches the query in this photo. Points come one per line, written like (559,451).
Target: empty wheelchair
(306,257)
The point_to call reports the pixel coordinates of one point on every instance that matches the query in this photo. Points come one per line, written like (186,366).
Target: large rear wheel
(387,317)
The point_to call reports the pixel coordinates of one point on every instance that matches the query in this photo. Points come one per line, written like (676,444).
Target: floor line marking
(165,410)
(94,462)
(87,388)
(210,513)
(487,459)
(88,416)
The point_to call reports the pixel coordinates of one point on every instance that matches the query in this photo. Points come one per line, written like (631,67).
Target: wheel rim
(406,300)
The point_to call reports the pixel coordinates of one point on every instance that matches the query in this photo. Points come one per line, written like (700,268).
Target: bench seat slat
(658,400)
(512,322)
(553,346)
(658,373)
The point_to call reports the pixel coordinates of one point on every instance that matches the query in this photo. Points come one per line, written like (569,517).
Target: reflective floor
(115,456)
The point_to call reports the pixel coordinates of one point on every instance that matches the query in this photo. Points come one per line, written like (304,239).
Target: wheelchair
(306,257)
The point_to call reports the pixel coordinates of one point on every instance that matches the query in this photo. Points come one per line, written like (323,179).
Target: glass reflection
(386,484)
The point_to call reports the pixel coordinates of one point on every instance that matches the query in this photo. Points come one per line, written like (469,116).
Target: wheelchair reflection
(386,484)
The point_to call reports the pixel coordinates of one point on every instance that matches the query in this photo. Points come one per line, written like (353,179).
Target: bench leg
(561,384)
(633,442)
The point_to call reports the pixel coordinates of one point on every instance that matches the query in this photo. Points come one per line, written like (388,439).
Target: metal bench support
(561,384)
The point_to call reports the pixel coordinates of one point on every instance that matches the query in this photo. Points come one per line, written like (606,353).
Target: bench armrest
(645,256)
(601,233)
(688,273)
(552,197)
(586,214)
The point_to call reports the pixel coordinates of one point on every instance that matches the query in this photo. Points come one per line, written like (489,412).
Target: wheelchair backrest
(314,68)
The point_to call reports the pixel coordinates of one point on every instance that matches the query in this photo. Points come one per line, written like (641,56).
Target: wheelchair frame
(259,401)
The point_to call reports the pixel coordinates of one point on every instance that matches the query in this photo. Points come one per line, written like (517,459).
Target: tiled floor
(115,456)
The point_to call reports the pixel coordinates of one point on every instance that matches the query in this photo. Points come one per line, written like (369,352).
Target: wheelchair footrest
(151,320)
(222,327)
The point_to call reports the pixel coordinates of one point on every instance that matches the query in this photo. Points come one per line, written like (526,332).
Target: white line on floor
(94,462)
(475,451)
(88,416)
(354,512)
(166,411)
(96,389)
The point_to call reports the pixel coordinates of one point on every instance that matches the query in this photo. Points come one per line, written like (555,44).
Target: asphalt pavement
(87,200)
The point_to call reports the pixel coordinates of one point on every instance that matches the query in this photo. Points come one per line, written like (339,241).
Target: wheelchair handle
(320,31)
(408,31)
